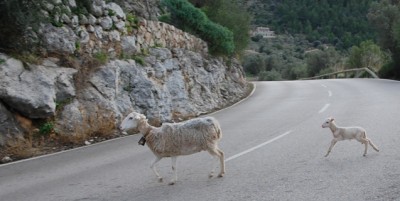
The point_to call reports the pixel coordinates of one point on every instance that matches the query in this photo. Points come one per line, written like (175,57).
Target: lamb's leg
(215,151)
(373,146)
(366,142)
(333,142)
(175,177)
(153,167)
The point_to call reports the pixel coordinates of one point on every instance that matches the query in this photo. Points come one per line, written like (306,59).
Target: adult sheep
(176,139)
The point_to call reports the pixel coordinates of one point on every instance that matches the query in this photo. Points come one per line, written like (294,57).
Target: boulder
(32,90)
(58,39)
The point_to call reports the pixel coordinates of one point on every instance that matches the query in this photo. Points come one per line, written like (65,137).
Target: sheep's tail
(217,128)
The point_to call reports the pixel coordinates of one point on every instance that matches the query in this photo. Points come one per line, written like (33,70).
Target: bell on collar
(142,141)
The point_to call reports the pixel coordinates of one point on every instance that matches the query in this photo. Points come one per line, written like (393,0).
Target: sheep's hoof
(160,179)
(221,175)
(171,183)
(211,175)
(364,155)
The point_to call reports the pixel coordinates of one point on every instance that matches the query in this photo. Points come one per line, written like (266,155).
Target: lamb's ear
(332,119)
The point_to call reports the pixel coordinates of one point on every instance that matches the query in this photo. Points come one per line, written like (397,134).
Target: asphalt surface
(274,147)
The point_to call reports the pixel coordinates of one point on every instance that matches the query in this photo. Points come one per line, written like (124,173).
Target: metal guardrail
(350,73)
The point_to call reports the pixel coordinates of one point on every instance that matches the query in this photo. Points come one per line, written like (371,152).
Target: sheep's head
(131,121)
(327,122)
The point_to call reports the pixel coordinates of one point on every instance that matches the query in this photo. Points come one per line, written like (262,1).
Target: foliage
(185,16)
(27,58)
(318,20)
(2,61)
(165,18)
(253,64)
(292,56)
(16,18)
(46,128)
(61,104)
(385,18)
(316,62)
(368,54)
(272,75)
(101,57)
(132,22)
(139,60)
(230,14)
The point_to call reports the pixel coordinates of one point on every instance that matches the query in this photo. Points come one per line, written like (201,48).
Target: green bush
(232,15)
(272,75)
(221,38)
(46,128)
(189,18)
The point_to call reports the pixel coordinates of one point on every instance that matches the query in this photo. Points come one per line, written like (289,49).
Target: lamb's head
(131,121)
(327,122)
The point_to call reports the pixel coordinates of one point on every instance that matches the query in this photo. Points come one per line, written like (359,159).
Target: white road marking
(323,85)
(330,93)
(256,147)
(324,108)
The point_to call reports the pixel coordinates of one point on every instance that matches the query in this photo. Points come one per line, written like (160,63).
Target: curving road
(274,147)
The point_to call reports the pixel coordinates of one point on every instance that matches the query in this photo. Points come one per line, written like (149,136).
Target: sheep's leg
(215,160)
(220,154)
(175,177)
(372,145)
(153,167)
(333,142)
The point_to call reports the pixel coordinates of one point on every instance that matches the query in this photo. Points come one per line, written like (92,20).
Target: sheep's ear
(332,119)
(140,116)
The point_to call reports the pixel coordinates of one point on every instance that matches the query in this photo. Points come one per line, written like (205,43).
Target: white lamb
(347,133)
(175,139)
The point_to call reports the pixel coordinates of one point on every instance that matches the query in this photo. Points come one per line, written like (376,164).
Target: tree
(368,54)
(190,18)
(16,18)
(316,61)
(230,14)
(385,18)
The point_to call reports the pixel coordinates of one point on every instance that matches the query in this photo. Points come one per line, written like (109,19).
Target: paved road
(274,147)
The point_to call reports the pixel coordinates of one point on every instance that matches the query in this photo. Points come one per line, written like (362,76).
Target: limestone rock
(58,39)
(32,90)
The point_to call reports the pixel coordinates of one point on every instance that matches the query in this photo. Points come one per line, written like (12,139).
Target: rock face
(32,90)
(170,86)
(151,67)
(8,126)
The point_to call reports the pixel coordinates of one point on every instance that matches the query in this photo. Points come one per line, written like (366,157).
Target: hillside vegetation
(317,37)
(342,23)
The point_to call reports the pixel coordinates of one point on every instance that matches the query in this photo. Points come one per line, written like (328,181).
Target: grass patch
(28,58)
(2,61)
(101,57)
(61,104)
(46,128)
(139,60)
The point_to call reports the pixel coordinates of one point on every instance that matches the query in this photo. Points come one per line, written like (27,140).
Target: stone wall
(106,28)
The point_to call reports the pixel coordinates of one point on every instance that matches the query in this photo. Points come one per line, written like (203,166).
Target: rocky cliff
(99,66)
